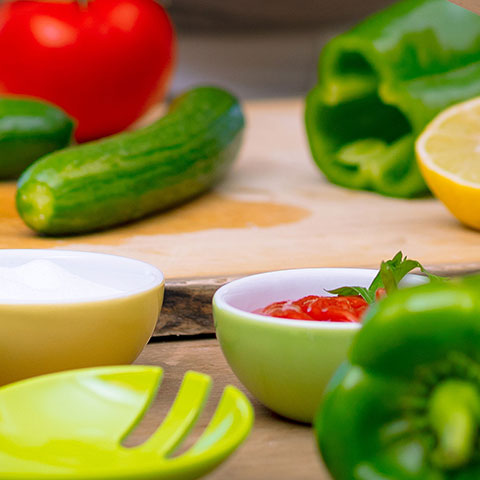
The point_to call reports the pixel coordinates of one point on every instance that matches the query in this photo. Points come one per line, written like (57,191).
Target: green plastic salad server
(71,425)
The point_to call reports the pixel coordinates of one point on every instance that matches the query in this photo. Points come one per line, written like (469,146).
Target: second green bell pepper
(406,406)
(380,83)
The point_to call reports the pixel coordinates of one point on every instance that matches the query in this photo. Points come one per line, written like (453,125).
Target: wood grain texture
(187,306)
(277,449)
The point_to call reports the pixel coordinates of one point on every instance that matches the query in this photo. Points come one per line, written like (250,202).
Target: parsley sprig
(388,277)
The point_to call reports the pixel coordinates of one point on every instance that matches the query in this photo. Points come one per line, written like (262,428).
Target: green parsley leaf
(348,291)
(390,274)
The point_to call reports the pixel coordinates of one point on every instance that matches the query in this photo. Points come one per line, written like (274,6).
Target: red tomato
(380,293)
(314,307)
(284,310)
(105,62)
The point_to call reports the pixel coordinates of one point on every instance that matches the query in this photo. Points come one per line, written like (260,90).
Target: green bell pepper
(380,83)
(406,405)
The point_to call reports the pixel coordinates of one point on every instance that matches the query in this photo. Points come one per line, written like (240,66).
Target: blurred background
(258,49)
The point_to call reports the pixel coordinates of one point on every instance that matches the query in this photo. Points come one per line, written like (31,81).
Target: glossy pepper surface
(406,405)
(380,83)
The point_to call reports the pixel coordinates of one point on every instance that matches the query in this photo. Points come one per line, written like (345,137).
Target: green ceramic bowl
(285,364)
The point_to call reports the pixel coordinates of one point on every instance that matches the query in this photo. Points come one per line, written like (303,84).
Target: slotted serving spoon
(71,425)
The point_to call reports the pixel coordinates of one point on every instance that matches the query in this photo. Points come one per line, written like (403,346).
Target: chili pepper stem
(454,413)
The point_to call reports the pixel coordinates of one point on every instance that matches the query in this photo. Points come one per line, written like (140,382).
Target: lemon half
(448,155)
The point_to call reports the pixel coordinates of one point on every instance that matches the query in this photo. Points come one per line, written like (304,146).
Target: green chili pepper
(381,83)
(406,406)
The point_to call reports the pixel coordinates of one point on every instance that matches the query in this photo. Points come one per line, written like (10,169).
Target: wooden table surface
(274,210)
(277,449)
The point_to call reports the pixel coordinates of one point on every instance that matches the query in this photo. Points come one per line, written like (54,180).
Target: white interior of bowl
(126,275)
(248,294)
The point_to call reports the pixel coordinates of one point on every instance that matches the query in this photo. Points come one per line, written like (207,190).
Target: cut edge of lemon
(424,158)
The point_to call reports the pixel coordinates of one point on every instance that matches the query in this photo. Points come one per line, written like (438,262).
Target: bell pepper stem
(454,412)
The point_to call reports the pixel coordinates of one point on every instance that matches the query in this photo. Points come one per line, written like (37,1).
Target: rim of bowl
(46,254)
(220,302)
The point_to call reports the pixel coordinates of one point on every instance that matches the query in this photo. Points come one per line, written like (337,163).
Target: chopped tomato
(284,310)
(314,307)
(380,293)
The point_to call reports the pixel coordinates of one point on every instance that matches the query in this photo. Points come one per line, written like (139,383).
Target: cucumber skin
(29,129)
(129,175)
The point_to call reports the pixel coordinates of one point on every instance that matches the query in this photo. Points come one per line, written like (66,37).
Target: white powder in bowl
(43,281)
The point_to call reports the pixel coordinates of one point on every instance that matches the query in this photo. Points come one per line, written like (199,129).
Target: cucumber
(129,175)
(29,129)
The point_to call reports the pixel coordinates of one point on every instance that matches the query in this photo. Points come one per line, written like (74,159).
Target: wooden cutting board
(275,210)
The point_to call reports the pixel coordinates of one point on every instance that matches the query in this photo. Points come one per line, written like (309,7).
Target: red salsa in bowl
(352,302)
(318,308)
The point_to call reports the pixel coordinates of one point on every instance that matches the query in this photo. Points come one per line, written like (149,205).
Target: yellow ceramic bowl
(285,364)
(38,337)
